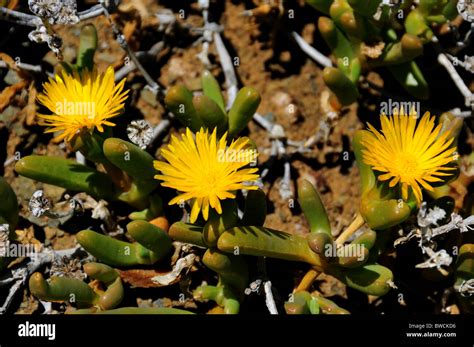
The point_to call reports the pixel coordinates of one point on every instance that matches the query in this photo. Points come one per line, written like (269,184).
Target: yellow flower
(80,101)
(409,155)
(206,170)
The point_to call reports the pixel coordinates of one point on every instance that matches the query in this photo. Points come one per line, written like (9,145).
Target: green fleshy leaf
(67,174)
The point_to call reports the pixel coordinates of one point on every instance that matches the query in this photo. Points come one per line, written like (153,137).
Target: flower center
(208,181)
(406,165)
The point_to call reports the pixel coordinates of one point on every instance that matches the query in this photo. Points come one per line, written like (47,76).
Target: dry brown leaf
(372,51)
(458,189)
(140,278)
(137,5)
(9,61)
(129,29)
(9,92)
(27,237)
(12,64)
(30,109)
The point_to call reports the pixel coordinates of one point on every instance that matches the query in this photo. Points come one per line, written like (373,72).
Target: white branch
(269,301)
(23,66)
(446,63)
(228,69)
(263,122)
(311,51)
(159,129)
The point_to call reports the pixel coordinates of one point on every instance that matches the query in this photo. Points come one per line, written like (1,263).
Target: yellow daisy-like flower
(80,101)
(206,170)
(408,154)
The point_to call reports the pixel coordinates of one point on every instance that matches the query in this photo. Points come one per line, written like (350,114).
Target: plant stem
(120,179)
(351,229)
(307,280)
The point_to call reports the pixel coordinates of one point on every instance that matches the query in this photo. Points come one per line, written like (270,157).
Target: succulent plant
(129,178)
(304,303)
(208,110)
(383,207)
(78,293)
(364,35)
(317,249)
(232,272)
(91,298)
(151,245)
(211,163)
(231,268)
(234,237)
(206,164)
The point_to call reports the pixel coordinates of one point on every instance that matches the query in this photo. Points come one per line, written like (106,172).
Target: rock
(54,193)
(285,106)
(7,115)
(12,77)
(69,53)
(148,96)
